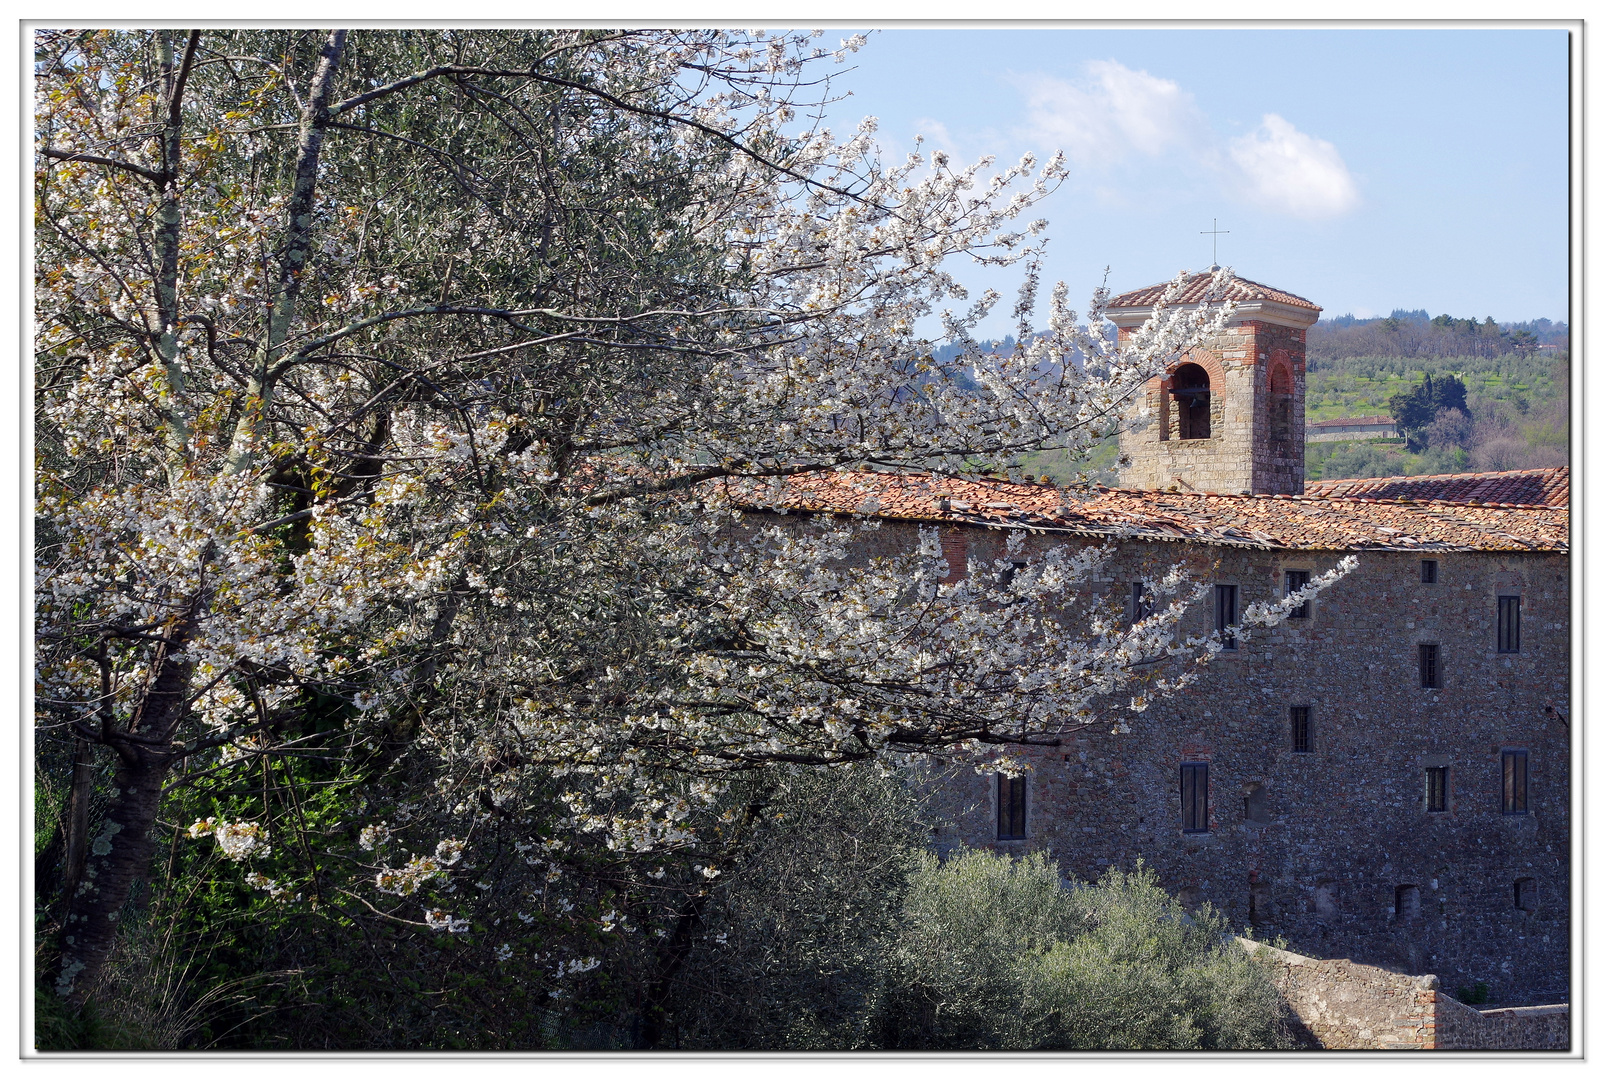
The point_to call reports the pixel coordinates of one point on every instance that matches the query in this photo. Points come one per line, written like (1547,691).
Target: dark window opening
(1195,796)
(1226,614)
(1510,624)
(1407,903)
(1515,786)
(1259,904)
(1429,571)
(1281,404)
(1526,894)
(1190,388)
(1254,806)
(1011,807)
(1296,580)
(1300,715)
(1142,604)
(1437,790)
(1431,675)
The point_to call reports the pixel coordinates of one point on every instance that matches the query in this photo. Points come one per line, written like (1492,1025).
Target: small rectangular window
(1301,728)
(1510,624)
(1296,580)
(1515,793)
(1429,571)
(1011,807)
(1437,790)
(1142,604)
(1431,675)
(1226,614)
(1195,796)
(1526,894)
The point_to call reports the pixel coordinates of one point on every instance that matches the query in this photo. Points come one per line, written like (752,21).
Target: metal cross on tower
(1214,232)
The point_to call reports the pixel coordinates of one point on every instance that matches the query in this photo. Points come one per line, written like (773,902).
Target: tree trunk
(77,821)
(120,853)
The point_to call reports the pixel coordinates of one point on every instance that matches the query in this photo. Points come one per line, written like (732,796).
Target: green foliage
(1473,995)
(1516,413)
(998,953)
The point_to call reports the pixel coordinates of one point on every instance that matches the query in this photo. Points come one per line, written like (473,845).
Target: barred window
(1226,614)
(1296,580)
(1011,807)
(1510,624)
(1431,674)
(1515,787)
(1195,796)
(1429,571)
(1437,790)
(1300,715)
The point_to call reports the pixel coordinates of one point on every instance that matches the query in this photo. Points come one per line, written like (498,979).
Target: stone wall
(1537,1027)
(1250,447)
(1341,1005)
(1334,849)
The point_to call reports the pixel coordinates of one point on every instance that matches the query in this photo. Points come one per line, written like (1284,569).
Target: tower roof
(1197,285)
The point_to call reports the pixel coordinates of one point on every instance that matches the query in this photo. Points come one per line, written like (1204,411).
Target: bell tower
(1228,417)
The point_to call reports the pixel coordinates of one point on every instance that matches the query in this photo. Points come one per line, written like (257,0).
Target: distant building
(1351,427)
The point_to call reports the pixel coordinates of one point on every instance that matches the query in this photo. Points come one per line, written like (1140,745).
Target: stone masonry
(1255,372)
(1335,847)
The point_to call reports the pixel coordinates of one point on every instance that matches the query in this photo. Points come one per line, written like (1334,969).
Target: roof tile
(1197,286)
(1298,522)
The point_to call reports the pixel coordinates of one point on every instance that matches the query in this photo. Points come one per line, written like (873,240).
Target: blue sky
(1363,169)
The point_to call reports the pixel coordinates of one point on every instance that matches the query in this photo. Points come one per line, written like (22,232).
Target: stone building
(1384,778)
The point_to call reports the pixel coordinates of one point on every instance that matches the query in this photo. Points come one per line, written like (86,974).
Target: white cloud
(1111,113)
(1281,168)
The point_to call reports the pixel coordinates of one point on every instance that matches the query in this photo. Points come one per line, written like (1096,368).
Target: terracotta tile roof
(1263,521)
(1351,421)
(1540,487)
(1195,287)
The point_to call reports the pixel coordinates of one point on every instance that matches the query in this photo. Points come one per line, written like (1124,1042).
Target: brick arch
(1280,379)
(1206,360)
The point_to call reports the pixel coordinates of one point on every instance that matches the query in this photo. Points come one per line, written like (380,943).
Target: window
(1006,578)
(1510,624)
(1011,807)
(1515,791)
(1195,796)
(1407,903)
(1296,580)
(1429,571)
(1431,673)
(1300,715)
(1526,894)
(1190,388)
(1226,614)
(1437,790)
(1142,605)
